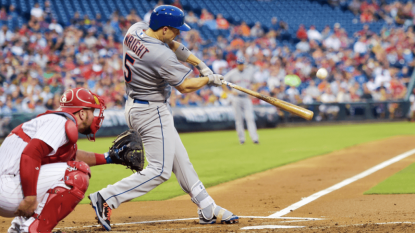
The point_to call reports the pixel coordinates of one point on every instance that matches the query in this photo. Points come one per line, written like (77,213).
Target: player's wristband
(102,158)
(182,53)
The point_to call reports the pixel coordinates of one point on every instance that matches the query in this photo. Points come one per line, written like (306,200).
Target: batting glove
(215,79)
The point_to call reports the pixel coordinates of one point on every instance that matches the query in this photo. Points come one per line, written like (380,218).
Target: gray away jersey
(243,79)
(150,67)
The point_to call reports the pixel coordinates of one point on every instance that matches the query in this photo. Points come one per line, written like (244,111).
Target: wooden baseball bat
(291,108)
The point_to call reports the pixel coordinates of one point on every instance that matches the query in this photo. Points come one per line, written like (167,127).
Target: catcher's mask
(73,100)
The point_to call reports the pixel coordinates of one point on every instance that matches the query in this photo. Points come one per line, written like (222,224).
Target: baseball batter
(242,76)
(151,69)
(42,174)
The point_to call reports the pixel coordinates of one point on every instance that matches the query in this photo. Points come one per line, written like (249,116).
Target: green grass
(400,183)
(218,157)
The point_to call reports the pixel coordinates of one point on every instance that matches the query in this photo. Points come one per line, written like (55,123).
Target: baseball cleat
(242,142)
(230,219)
(256,142)
(102,210)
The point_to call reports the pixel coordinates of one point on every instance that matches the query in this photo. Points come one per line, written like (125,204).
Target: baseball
(322,73)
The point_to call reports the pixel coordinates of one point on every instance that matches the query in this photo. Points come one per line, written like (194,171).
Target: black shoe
(256,142)
(242,142)
(102,210)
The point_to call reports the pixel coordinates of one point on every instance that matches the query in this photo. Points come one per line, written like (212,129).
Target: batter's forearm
(193,60)
(192,84)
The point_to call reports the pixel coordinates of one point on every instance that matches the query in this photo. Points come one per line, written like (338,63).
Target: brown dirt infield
(344,210)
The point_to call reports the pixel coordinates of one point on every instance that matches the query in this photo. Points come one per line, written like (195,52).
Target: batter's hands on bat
(27,207)
(215,79)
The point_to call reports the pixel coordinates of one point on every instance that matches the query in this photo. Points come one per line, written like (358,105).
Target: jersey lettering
(128,75)
(135,45)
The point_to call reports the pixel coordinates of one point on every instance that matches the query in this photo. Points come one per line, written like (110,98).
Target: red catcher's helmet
(73,100)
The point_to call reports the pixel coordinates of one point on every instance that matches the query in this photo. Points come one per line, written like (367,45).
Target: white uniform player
(40,181)
(242,105)
(151,69)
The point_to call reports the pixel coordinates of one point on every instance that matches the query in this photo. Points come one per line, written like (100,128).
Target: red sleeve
(100,159)
(30,163)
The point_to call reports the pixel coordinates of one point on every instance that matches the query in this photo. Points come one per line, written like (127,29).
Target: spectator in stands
(326,33)
(313,91)
(303,46)
(205,16)
(219,66)
(332,43)
(177,4)
(328,111)
(257,31)
(354,6)
(133,17)
(191,18)
(301,32)
(275,24)
(313,34)
(222,22)
(12,12)
(36,12)
(47,11)
(360,46)
(3,15)
(76,20)
(5,35)
(293,94)
(343,96)
(56,26)
(245,30)
(366,17)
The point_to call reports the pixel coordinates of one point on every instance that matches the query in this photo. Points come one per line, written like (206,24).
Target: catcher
(43,175)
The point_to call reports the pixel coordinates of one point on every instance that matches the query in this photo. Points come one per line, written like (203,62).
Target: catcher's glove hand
(128,150)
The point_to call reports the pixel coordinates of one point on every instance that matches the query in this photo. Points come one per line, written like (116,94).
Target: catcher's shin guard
(62,201)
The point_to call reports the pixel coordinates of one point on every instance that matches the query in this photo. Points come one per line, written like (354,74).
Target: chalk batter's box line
(315,196)
(188,219)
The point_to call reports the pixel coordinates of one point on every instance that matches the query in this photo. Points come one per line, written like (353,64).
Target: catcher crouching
(43,175)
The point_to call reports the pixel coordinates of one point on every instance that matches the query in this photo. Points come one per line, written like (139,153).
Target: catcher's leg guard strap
(61,201)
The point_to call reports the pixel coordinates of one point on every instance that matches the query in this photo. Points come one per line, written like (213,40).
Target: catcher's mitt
(128,150)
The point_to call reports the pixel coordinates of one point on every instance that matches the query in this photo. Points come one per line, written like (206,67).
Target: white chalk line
(187,219)
(305,201)
(270,227)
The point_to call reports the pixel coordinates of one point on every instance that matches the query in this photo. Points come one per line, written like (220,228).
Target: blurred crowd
(41,59)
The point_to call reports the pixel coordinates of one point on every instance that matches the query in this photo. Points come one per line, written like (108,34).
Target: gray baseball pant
(243,106)
(164,152)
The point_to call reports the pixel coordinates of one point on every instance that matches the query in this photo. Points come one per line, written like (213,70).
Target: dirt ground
(257,196)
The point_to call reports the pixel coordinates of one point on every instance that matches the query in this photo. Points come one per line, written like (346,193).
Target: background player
(42,174)
(151,69)
(243,76)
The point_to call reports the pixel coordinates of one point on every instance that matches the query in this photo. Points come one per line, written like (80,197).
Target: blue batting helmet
(240,60)
(170,16)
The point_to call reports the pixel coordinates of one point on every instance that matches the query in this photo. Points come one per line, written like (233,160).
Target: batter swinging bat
(291,108)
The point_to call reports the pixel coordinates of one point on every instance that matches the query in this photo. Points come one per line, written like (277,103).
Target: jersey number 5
(128,73)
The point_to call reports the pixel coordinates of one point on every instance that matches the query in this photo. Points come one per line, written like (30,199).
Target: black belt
(137,101)
(242,95)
